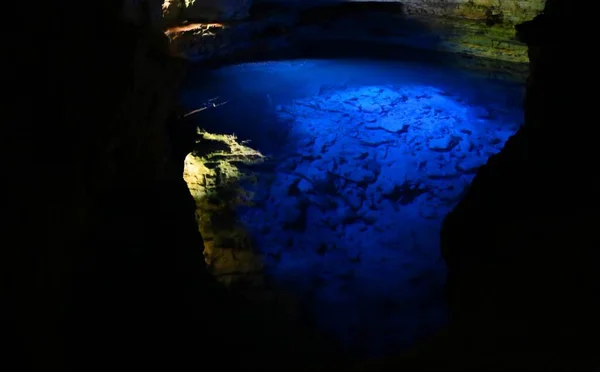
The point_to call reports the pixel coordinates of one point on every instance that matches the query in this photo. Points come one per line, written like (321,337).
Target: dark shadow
(352,49)
(356,9)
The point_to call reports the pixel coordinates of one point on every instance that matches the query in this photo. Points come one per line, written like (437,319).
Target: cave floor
(361,161)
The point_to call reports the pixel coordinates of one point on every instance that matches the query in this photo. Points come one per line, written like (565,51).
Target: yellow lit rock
(214,181)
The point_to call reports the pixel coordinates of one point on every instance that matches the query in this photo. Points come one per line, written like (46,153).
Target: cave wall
(465,29)
(100,131)
(508,11)
(100,247)
(513,11)
(101,252)
(522,262)
(503,11)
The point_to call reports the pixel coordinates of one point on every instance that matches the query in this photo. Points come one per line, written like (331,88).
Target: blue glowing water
(367,158)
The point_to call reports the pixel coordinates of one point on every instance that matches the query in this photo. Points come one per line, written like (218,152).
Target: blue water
(366,158)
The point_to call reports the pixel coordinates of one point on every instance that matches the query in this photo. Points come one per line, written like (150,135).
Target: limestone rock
(198,41)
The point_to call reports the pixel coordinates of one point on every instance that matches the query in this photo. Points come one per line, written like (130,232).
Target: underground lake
(328,179)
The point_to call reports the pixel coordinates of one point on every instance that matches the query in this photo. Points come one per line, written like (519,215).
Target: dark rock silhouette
(521,247)
(100,245)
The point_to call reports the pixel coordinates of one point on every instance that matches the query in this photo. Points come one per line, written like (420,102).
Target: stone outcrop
(219,43)
(212,173)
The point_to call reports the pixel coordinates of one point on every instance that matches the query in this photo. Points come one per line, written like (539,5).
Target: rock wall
(501,11)
(512,11)
(100,247)
(86,155)
(482,29)
(521,247)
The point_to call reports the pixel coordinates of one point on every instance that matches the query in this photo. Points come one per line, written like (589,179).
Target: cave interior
(357,185)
